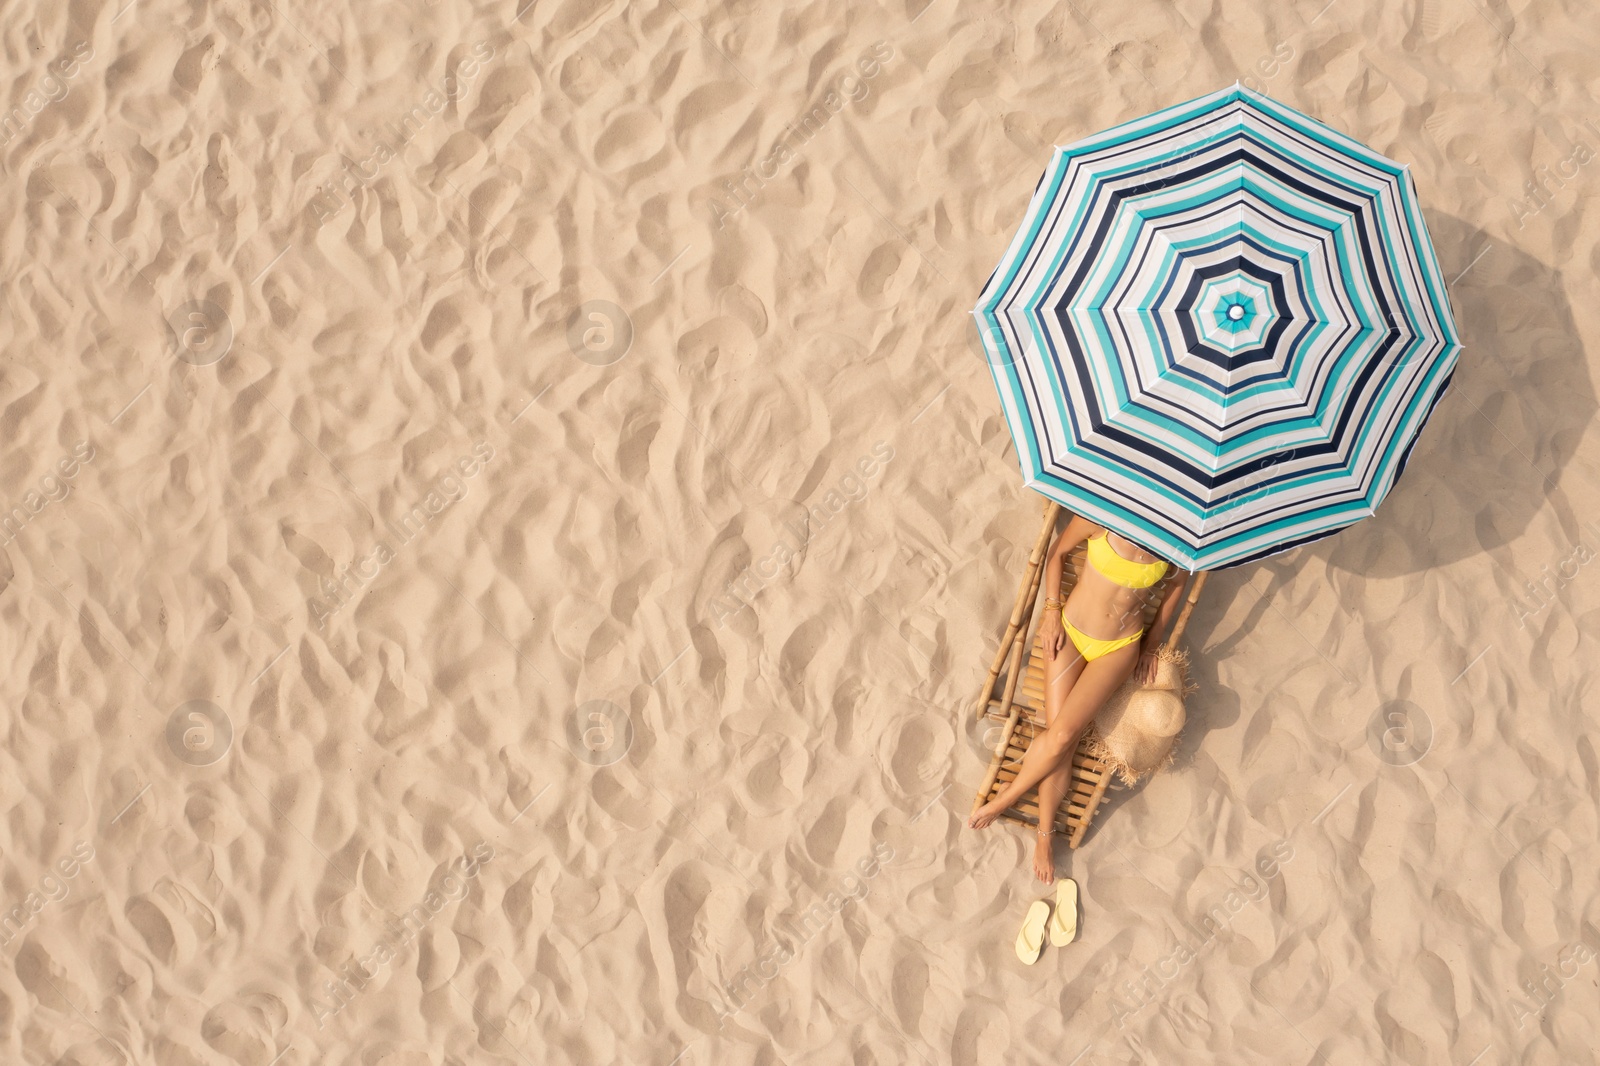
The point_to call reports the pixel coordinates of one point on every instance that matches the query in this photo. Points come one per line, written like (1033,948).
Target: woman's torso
(1100,607)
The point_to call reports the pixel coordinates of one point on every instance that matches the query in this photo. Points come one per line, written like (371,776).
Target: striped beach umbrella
(1219,329)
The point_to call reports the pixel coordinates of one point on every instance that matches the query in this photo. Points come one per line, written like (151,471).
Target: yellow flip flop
(1030,939)
(1064,922)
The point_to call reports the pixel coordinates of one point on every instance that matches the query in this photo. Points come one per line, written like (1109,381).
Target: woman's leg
(1054,746)
(1060,675)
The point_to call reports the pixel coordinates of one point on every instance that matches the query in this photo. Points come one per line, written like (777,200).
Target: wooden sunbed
(1019,706)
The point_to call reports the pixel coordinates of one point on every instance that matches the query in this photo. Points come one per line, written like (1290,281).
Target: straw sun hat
(1137,728)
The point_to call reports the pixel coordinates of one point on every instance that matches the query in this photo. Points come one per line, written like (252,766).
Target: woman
(1103,619)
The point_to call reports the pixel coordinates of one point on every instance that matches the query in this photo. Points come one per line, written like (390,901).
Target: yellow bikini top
(1125,572)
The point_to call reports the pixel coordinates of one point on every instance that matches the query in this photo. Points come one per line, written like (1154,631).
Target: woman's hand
(1051,636)
(1145,672)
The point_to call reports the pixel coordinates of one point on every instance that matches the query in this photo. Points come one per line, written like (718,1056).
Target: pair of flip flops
(1060,924)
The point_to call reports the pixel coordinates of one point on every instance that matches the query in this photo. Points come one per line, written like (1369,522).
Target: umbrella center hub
(1233,310)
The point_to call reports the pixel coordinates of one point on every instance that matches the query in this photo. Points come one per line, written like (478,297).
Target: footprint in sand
(912,981)
(215,822)
(973,82)
(1430,18)
(580,77)
(888,272)
(802,646)
(982,1034)
(736,301)
(462,152)
(438,956)
(41,969)
(631,137)
(234,1030)
(1457,130)
(171,921)
(508,100)
(917,750)
(770,764)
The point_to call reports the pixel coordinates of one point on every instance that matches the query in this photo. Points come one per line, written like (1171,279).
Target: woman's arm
(1078,530)
(1169,607)
(1146,670)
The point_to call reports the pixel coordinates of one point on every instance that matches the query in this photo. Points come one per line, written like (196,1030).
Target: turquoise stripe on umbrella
(1219,329)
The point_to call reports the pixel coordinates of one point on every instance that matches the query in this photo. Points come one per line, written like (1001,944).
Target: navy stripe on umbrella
(1219,329)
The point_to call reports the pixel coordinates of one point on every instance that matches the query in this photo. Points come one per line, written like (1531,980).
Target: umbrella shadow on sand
(1489,460)
(1495,451)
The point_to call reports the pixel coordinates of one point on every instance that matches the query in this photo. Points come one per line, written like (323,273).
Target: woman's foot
(984,815)
(1044,858)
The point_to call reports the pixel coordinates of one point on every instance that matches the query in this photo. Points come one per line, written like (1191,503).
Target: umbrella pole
(1023,604)
(1188,609)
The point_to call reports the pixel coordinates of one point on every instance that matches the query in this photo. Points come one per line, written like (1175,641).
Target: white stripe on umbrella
(1219,329)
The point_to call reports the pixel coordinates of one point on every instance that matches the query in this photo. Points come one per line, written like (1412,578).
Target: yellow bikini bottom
(1091,648)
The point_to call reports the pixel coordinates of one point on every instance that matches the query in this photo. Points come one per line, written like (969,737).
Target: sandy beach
(505,514)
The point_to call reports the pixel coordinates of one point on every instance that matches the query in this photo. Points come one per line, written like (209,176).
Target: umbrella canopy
(1219,329)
